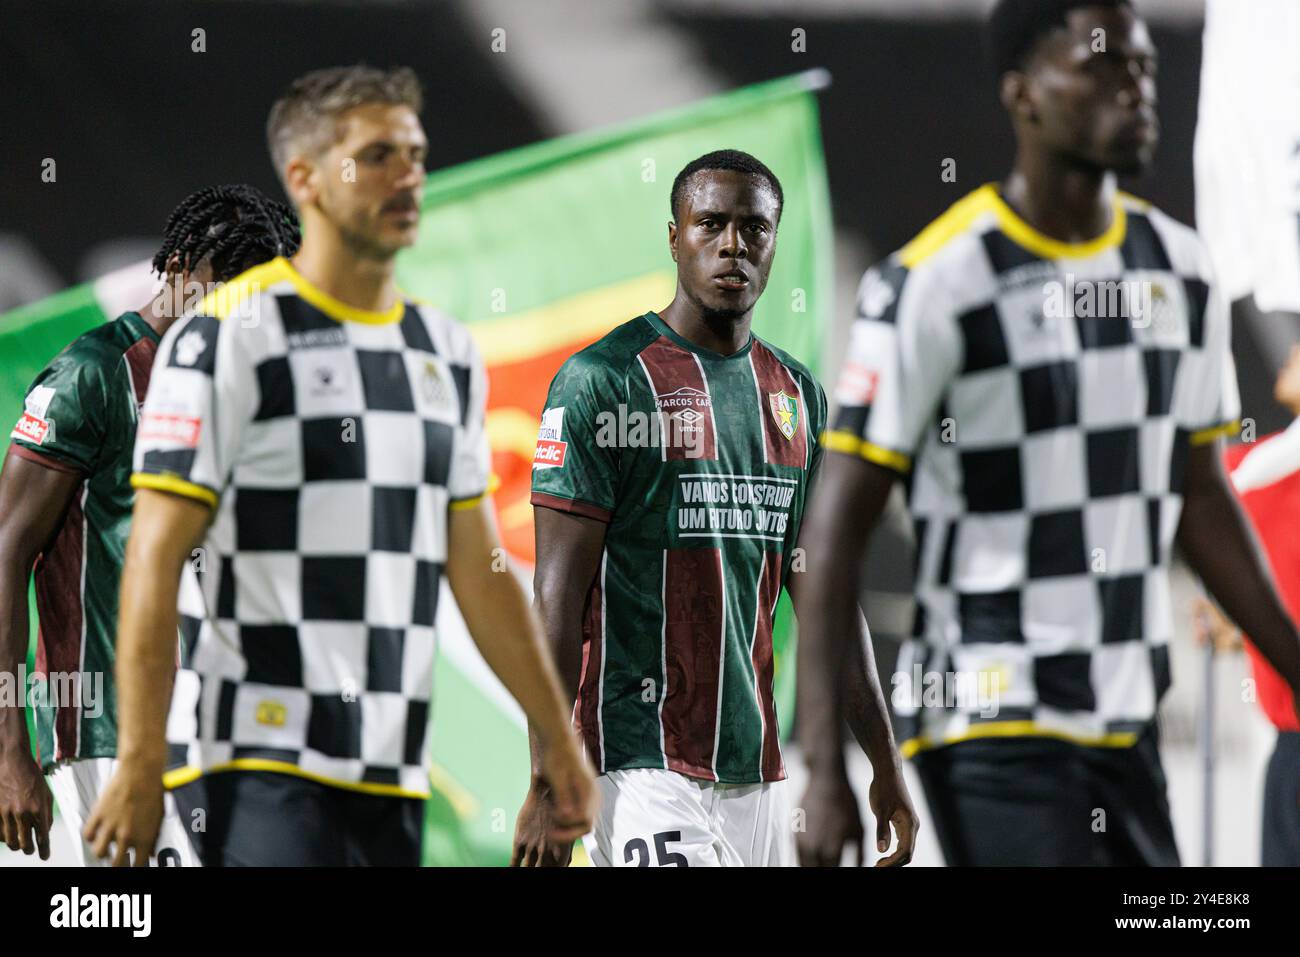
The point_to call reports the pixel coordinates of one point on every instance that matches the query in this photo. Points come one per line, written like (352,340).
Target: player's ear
(672,240)
(301,181)
(1014,93)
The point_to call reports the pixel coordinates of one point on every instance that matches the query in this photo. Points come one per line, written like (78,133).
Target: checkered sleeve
(64,414)
(1217,405)
(904,349)
(202,393)
(575,466)
(471,467)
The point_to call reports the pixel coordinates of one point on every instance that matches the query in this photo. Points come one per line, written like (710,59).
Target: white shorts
(77,786)
(655,818)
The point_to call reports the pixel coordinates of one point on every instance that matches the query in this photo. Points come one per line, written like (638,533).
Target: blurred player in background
(65,504)
(1247,165)
(326,447)
(1048,365)
(1266,476)
(660,558)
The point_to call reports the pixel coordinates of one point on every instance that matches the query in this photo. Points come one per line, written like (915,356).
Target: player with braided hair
(235,226)
(65,507)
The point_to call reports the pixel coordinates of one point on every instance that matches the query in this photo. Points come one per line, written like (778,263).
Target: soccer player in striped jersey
(672,467)
(65,505)
(1048,368)
(324,438)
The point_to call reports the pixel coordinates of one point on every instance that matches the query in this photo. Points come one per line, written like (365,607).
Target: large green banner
(540,251)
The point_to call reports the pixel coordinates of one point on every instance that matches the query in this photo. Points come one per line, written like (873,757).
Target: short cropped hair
(731,160)
(306,116)
(1016,26)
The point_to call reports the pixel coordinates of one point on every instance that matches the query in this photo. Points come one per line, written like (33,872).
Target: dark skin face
(723,243)
(1091,107)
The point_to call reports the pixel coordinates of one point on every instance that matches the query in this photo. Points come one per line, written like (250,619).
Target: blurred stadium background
(137,118)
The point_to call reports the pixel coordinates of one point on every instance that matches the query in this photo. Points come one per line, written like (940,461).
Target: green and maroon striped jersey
(700,464)
(80,416)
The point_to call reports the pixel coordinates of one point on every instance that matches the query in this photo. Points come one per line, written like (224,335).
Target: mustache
(402,204)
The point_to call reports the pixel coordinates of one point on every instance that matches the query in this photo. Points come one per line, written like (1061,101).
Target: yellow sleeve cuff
(1206,436)
(176,485)
(850,444)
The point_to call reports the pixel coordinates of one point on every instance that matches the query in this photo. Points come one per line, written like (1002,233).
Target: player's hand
(126,818)
(892,805)
(574,797)
(534,846)
(832,820)
(26,805)
(1210,624)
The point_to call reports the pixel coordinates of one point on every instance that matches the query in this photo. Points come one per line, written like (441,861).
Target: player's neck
(1059,199)
(157,313)
(723,336)
(362,282)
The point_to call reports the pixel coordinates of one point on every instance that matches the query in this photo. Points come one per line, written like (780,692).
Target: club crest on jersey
(432,386)
(785,412)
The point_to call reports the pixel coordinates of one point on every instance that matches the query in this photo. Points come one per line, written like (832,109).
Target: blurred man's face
(724,240)
(1093,90)
(1286,390)
(369,182)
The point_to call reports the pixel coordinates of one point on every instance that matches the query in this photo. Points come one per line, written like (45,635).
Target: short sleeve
(471,465)
(574,468)
(203,391)
(65,413)
(904,349)
(818,424)
(1213,395)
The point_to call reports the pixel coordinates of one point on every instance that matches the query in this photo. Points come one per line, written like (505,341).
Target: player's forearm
(146,652)
(561,622)
(15,571)
(508,636)
(865,708)
(827,614)
(849,496)
(1221,548)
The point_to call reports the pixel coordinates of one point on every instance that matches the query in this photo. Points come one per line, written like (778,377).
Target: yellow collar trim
(335,308)
(1045,246)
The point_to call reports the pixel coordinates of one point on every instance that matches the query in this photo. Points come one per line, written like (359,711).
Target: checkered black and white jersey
(331,442)
(1041,398)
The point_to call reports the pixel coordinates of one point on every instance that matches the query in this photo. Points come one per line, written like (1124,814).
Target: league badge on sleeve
(550,447)
(35,426)
(785,412)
